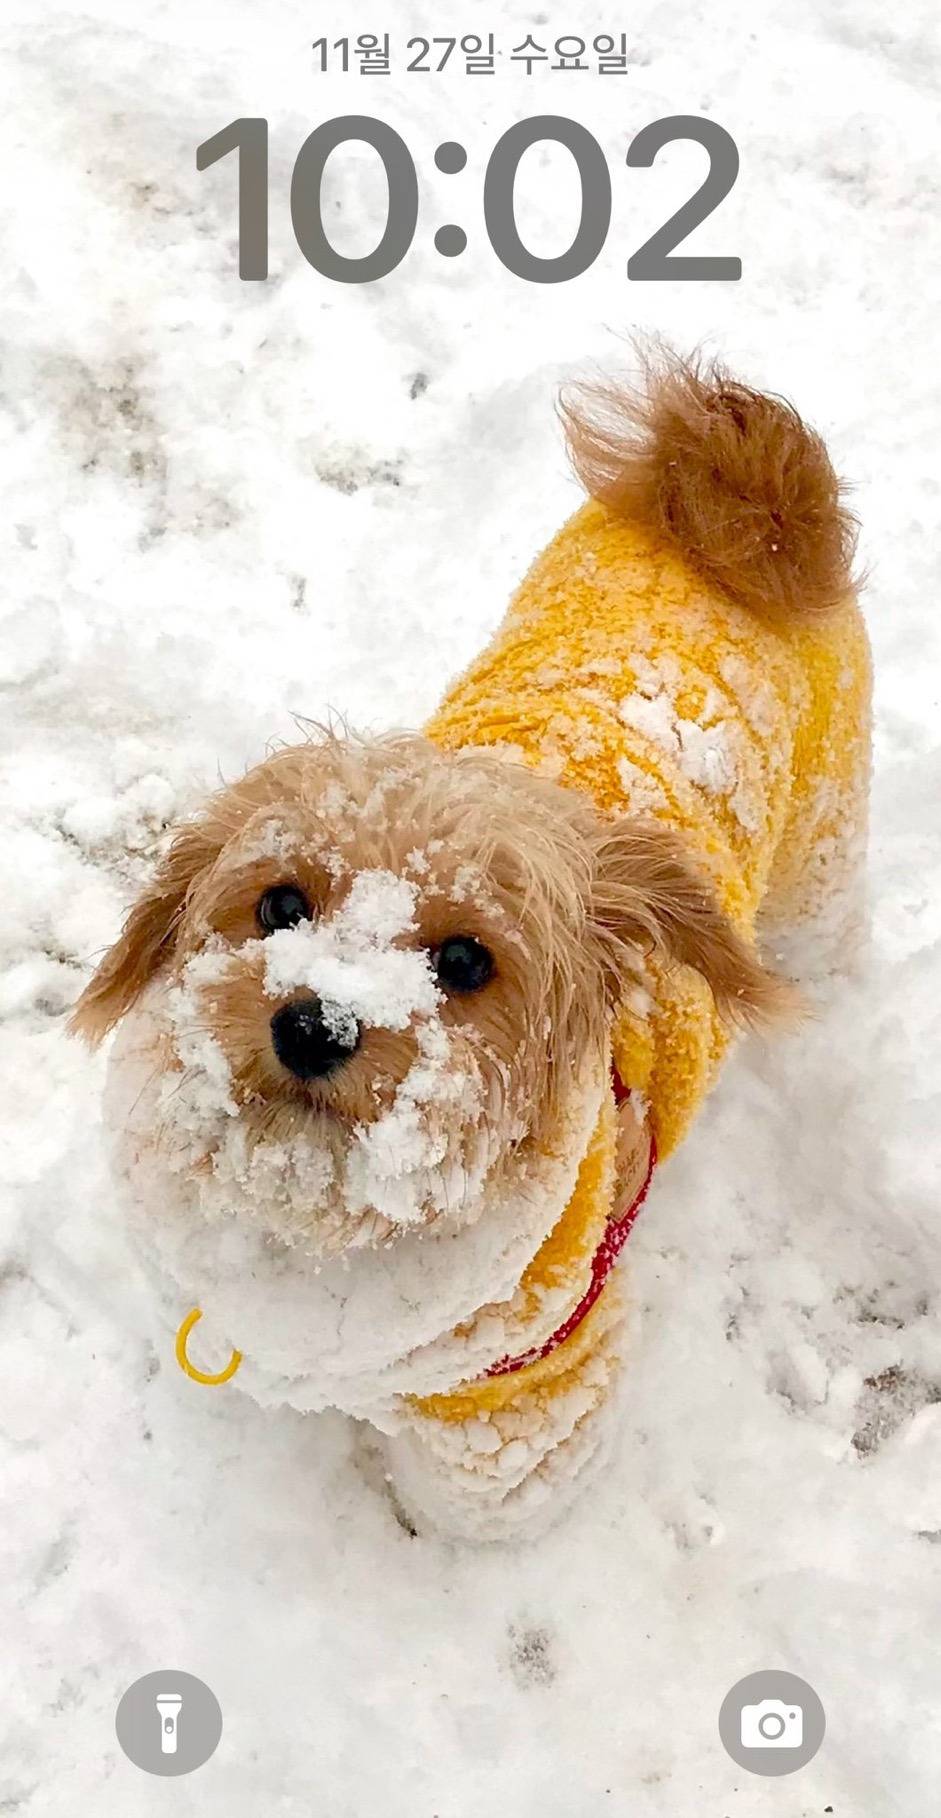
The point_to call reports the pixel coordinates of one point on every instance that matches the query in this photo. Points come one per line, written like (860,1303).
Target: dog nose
(304,1042)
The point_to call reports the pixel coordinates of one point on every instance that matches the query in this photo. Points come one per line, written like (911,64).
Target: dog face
(373,970)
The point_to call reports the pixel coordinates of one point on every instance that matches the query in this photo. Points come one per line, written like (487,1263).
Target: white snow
(350,961)
(227,505)
(708,751)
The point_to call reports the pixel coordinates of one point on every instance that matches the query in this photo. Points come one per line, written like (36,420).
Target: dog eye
(463,963)
(282,907)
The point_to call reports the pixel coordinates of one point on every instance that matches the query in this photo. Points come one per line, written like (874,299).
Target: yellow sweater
(621,674)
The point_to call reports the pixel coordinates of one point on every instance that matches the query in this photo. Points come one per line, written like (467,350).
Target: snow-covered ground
(226,504)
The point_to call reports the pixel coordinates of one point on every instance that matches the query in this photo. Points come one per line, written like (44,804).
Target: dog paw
(369,1459)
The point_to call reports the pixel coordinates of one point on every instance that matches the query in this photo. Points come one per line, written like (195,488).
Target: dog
(407,1022)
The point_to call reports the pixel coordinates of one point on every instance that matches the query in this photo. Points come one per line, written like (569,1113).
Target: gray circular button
(772,1723)
(168,1723)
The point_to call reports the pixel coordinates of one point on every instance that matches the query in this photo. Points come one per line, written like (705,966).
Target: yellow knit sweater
(621,674)
(616,670)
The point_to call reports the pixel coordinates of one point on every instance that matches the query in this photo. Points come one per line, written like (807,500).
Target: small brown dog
(387,999)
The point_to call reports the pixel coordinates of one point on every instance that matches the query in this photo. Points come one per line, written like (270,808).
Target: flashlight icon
(168,1705)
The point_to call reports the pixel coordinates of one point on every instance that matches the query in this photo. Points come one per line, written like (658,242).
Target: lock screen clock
(655,260)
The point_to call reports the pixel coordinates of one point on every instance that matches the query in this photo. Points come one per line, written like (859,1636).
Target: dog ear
(647,893)
(147,937)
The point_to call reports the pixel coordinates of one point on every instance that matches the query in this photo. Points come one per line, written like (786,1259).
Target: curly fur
(567,901)
(732,478)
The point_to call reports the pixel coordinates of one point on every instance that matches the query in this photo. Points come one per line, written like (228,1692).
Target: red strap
(612,1243)
(621,1092)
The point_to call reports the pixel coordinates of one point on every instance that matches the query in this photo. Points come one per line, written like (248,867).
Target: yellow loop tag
(189,1368)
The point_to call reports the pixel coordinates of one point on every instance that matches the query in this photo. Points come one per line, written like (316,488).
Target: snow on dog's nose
(306,1042)
(358,976)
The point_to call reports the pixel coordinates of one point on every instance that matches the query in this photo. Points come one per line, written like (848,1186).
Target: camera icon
(772,1724)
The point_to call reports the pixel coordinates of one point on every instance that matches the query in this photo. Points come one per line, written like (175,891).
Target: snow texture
(229,504)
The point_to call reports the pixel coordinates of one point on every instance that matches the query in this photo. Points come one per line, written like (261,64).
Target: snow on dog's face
(371,971)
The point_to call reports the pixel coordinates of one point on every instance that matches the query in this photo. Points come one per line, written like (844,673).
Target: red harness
(616,1234)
